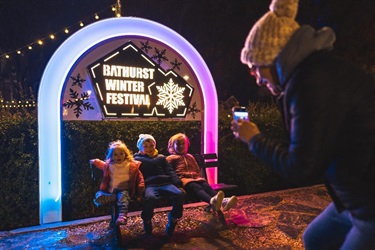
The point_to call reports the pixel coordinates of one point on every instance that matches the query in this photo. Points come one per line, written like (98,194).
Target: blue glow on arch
(52,83)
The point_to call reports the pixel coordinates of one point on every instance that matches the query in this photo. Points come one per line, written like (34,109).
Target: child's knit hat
(143,137)
(270,33)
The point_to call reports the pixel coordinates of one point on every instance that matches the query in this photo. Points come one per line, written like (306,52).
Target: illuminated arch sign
(58,69)
(128,83)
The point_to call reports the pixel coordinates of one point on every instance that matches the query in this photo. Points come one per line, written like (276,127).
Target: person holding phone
(328,107)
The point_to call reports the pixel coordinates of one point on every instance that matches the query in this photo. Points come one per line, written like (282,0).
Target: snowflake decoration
(78,103)
(77,80)
(176,64)
(170,96)
(193,110)
(159,56)
(145,47)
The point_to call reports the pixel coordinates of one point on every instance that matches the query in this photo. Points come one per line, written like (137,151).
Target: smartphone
(240,113)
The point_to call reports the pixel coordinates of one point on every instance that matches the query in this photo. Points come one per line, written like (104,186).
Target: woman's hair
(175,138)
(118,144)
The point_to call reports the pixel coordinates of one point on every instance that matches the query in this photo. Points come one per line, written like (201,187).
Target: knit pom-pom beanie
(270,33)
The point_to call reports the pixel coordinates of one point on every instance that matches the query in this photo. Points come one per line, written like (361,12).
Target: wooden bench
(210,160)
(204,161)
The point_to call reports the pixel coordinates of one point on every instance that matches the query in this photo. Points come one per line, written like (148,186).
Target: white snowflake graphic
(170,96)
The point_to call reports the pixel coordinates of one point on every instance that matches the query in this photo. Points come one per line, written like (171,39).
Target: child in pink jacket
(188,170)
(122,179)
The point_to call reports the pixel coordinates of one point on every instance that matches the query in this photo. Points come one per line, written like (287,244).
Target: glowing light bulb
(118,8)
(66,31)
(96,16)
(65,111)
(81,24)
(40,42)
(19,52)
(30,47)
(7,56)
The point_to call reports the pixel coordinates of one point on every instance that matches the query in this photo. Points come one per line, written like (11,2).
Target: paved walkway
(272,220)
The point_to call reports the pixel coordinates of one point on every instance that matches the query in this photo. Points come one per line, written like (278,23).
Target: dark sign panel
(128,83)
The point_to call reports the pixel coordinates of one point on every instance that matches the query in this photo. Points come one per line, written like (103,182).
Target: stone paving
(272,220)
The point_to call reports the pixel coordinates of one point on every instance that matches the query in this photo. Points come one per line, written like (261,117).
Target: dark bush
(238,165)
(85,140)
(19,175)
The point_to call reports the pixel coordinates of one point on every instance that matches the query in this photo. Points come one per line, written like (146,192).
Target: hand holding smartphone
(240,113)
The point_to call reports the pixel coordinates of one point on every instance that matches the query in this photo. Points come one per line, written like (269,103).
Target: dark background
(216,28)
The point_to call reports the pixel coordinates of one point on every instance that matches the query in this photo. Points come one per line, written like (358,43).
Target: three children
(148,176)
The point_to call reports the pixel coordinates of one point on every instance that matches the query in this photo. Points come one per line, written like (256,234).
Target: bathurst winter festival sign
(119,68)
(128,83)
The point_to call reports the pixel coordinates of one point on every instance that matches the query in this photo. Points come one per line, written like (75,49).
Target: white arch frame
(52,83)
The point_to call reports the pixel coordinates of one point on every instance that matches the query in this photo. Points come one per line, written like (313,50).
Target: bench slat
(210,160)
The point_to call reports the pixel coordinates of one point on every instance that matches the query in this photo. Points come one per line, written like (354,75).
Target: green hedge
(237,164)
(19,173)
(84,140)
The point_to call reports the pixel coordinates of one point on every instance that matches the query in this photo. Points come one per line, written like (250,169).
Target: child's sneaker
(121,220)
(228,203)
(216,201)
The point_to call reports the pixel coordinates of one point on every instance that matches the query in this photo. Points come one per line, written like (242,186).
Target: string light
(118,8)
(19,51)
(20,104)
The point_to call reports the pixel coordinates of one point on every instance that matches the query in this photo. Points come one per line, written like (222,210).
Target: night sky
(216,28)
